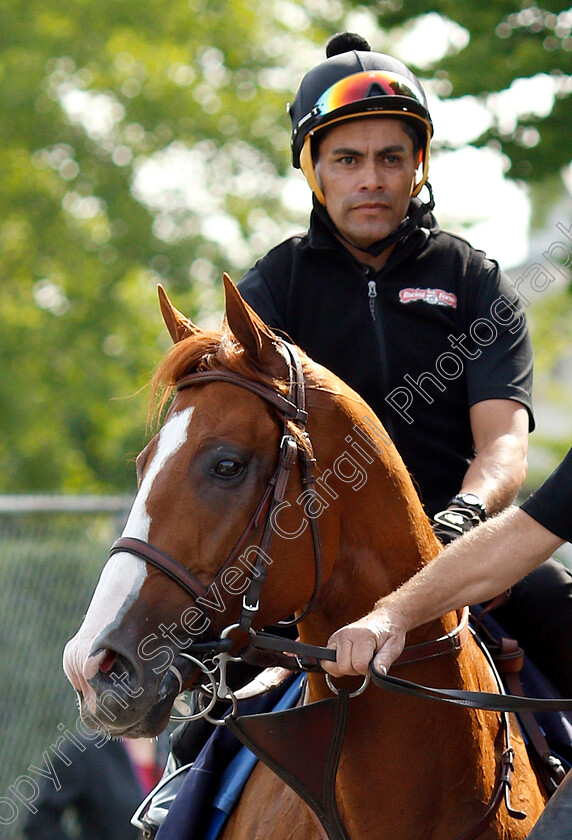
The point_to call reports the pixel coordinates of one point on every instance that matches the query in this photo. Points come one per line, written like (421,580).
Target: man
(94,792)
(425,328)
(475,568)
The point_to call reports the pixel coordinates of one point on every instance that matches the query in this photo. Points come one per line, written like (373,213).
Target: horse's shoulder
(269,810)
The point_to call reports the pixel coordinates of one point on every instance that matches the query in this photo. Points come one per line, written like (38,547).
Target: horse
(408,768)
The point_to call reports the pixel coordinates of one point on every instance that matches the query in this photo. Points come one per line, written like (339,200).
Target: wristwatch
(471,501)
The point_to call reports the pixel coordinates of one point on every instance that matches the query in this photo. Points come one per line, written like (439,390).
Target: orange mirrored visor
(365,85)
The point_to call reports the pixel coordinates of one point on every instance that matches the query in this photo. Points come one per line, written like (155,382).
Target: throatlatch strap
(303,746)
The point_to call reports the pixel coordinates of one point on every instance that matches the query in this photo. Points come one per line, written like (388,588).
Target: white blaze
(123,576)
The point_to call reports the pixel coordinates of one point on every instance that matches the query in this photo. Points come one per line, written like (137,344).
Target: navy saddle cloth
(190,814)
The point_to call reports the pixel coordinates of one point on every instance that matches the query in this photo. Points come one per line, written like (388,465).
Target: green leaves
(144,142)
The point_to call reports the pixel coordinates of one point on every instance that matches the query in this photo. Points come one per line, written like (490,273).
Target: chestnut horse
(409,768)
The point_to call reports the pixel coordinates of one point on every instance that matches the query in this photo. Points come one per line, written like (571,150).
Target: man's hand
(380,636)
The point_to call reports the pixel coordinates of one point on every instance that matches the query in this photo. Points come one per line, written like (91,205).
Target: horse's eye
(228,468)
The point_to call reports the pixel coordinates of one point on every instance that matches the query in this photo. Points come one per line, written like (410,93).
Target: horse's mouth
(144,716)
(122,700)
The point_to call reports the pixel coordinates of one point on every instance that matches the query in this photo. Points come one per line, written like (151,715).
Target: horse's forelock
(204,351)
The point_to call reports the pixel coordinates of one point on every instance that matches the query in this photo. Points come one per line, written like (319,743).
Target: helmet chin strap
(406,226)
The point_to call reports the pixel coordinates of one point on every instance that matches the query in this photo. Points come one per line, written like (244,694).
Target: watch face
(471,499)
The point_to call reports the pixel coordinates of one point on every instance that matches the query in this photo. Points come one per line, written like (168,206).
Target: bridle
(293,448)
(265,649)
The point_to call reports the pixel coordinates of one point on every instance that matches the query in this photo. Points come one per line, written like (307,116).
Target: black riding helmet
(355,82)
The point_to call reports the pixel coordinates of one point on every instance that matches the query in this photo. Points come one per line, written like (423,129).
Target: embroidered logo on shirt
(437,297)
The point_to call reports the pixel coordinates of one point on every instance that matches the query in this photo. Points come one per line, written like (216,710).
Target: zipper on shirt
(378,328)
(372,295)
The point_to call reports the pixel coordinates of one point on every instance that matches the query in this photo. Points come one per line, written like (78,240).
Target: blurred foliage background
(146,142)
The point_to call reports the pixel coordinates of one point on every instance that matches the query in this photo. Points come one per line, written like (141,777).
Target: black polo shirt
(551,504)
(437,330)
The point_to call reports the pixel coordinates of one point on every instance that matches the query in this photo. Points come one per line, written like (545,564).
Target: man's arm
(54,799)
(500,432)
(44,824)
(474,568)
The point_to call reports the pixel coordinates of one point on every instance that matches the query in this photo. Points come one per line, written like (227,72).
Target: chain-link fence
(52,550)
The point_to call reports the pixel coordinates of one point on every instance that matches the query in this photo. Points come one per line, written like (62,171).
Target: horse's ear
(257,339)
(179,325)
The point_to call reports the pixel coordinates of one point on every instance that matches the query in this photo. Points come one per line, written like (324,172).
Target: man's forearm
(475,568)
(496,474)
(500,432)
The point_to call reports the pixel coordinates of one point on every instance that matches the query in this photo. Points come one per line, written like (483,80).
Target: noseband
(291,408)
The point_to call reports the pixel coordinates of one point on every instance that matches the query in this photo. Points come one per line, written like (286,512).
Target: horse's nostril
(117,672)
(108,661)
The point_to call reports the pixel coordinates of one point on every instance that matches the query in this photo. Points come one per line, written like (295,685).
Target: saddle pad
(556,725)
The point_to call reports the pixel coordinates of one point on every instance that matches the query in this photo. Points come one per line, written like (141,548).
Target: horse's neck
(384,538)
(384,534)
